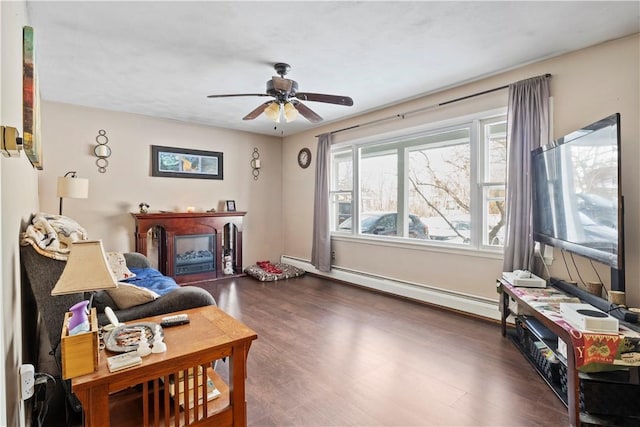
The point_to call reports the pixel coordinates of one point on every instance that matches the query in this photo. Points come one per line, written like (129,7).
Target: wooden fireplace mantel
(174,224)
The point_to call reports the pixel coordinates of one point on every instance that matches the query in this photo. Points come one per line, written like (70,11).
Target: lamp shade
(72,187)
(290,112)
(87,270)
(273,111)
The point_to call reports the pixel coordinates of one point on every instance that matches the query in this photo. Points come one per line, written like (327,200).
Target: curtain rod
(420,110)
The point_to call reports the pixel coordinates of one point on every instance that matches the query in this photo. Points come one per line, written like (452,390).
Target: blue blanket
(152,279)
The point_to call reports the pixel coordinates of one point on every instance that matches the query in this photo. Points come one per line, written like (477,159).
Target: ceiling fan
(287,101)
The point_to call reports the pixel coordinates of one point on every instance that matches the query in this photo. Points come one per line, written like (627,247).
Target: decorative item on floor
(102,151)
(72,187)
(10,141)
(255,163)
(231,205)
(32,140)
(266,271)
(144,207)
(87,270)
(185,163)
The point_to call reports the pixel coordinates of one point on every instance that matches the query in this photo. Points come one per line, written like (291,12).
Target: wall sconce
(70,186)
(10,142)
(255,163)
(102,151)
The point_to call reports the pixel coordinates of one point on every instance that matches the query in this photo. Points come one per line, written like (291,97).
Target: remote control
(124,360)
(175,320)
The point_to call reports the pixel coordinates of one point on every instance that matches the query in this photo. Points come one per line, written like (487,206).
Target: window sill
(421,245)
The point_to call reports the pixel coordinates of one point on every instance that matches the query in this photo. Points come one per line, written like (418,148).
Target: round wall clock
(304,158)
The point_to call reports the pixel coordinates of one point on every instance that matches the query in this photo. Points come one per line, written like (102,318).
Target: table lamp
(87,270)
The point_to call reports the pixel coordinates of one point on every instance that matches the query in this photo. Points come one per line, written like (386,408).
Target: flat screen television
(577,199)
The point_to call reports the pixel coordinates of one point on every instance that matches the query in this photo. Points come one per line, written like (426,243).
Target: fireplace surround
(192,246)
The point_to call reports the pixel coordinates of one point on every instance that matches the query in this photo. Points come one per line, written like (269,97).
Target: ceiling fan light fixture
(273,111)
(282,90)
(290,112)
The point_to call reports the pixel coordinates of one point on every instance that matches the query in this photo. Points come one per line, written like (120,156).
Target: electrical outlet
(333,255)
(27,381)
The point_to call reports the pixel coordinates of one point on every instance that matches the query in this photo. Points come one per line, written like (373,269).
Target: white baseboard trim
(478,306)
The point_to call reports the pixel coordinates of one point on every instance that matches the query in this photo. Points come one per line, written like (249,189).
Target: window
(441,186)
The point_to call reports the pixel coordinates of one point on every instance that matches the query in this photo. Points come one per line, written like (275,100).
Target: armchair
(43,273)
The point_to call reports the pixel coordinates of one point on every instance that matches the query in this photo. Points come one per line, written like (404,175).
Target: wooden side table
(108,397)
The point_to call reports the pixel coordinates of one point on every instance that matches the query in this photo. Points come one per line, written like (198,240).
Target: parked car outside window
(385,224)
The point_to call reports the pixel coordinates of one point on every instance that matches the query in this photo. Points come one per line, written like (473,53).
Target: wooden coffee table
(137,396)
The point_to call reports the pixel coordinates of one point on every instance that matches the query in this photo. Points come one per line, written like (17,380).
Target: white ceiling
(163,58)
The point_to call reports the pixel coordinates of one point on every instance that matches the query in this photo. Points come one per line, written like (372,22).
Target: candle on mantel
(190,209)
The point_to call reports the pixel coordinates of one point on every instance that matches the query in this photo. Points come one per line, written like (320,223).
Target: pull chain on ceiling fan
(287,101)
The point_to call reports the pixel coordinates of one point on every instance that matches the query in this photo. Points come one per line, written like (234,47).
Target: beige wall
(587,85)
(70,133)
(18,198)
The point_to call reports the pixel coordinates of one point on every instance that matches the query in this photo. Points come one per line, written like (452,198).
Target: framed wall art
(185,163)
(32,141)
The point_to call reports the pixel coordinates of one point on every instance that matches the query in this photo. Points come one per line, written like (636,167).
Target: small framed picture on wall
(231,205)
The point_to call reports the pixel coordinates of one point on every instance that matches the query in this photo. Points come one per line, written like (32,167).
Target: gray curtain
(527,129)
(321,246)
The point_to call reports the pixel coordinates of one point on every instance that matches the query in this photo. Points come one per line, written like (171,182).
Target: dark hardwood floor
(331,354)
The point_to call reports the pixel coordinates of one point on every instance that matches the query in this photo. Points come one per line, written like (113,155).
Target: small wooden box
(80,351)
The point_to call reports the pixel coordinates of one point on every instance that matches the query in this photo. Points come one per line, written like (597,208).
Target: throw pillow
(126,295)
(119,266)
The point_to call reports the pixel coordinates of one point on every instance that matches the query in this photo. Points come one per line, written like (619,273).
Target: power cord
(573,260)
(604,288)
(544,264)
(44,385)
(565,264)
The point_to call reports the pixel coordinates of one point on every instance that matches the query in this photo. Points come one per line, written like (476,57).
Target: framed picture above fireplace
(185,163)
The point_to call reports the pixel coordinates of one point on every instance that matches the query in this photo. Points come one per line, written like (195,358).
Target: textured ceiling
(163,58)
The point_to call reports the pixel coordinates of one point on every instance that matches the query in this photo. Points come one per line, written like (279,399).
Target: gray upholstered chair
(43,273)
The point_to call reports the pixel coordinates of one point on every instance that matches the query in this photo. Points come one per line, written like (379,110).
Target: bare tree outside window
(449,184)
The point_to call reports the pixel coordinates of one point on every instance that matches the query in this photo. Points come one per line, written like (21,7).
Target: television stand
(616,311)
(562,355)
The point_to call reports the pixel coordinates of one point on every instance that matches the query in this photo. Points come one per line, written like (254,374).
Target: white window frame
(401,139)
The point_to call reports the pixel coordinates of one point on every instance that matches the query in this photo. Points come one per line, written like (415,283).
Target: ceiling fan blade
(306,112)
(238,94)
(255,113)
(320,97)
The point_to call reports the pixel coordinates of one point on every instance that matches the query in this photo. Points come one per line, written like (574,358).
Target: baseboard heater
(478,306)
